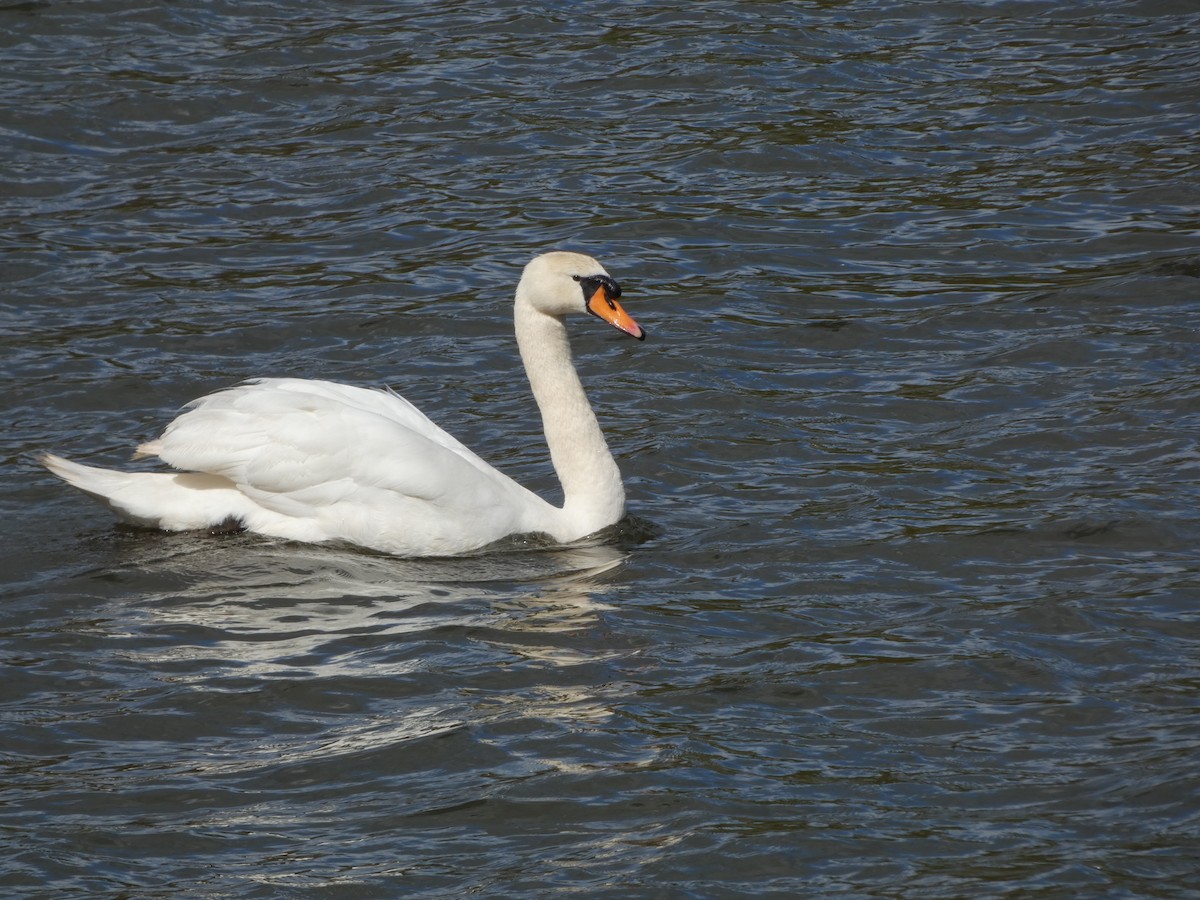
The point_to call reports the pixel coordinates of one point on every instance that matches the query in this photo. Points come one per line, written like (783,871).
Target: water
(909,604)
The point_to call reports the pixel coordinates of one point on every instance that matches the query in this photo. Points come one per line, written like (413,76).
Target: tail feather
(148,450)
(174,501)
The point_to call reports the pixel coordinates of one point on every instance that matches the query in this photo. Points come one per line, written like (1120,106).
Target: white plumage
(317,461)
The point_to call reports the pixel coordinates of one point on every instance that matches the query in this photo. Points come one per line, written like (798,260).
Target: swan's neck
(593,496)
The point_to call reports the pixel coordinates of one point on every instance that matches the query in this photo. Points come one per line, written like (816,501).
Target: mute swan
(318,461)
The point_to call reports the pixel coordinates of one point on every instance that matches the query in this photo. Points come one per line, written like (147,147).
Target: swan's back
(277,424)
(324,461)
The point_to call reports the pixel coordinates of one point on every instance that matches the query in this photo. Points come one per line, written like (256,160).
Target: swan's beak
(610,311)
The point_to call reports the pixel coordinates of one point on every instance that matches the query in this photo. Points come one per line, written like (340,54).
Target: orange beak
(611,312)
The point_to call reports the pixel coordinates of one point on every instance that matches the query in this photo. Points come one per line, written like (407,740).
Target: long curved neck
(593,496)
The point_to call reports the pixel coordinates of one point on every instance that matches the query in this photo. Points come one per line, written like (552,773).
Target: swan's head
(560,284)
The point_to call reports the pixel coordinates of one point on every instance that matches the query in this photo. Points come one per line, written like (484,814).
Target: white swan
(317,461)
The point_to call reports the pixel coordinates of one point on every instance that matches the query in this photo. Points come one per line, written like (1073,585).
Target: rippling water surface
(909,603)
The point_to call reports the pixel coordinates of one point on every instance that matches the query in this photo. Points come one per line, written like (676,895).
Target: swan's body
(316,461)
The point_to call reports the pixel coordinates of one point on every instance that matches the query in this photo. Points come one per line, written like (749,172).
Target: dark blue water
(908,606)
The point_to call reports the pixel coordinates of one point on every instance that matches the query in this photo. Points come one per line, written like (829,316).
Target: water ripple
(907,606)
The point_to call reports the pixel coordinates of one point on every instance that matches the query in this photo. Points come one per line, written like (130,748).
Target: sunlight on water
(906,602)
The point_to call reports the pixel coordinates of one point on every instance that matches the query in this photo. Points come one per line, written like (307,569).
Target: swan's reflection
(369,653)
(271,602)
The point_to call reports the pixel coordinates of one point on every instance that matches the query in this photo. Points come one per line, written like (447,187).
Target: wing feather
(295,446)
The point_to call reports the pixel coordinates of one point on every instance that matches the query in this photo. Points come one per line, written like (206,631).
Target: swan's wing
(286,433)
(385,403)
(360,461)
